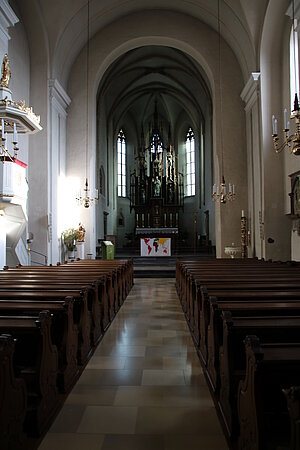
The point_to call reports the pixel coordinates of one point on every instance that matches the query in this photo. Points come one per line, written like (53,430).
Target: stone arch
(201,42)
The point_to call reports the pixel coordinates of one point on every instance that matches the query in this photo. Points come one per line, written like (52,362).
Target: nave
(144,387)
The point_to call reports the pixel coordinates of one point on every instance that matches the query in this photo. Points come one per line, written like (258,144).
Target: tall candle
(285,118)
(243,213)
(273,123)
(15,133)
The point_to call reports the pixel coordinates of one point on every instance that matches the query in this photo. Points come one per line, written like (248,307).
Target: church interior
(150,162)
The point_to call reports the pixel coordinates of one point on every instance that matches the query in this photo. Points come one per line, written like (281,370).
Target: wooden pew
(262,411)
(13,397)
(99,305)
(272,293)
(104,298)
(82,316)
(224,270)
(58,283)
(231,360)
(98,291)
(256,294)
(292,395)
(224,311)
(121,272)
(126,265)
(250,283)
(36,361)
(64,333)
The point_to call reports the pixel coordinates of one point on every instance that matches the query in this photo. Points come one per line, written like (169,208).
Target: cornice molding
(57,92)
(7,18)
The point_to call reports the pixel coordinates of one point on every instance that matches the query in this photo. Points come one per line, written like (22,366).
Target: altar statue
(157,186)
(156,167)
(5,72)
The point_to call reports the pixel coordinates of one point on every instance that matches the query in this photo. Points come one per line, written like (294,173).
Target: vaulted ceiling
(152,74)
(63,25)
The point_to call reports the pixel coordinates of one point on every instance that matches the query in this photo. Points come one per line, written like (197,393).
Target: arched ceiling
(154,74)
(65,24)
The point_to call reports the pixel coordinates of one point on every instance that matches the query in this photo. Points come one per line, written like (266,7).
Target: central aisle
(143,389)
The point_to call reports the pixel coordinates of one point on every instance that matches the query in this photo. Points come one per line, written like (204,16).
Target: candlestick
(15,134)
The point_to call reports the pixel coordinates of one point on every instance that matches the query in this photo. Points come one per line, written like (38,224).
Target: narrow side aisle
(144,387)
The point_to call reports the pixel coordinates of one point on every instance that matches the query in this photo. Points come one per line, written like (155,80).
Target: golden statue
(81,233)
(5,72)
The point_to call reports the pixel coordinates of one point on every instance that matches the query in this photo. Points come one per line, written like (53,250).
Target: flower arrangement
(70,237)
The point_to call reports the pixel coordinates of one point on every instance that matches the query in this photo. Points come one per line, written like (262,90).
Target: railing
(39,263)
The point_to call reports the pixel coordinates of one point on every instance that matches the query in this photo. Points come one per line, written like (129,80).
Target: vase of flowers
(70,237)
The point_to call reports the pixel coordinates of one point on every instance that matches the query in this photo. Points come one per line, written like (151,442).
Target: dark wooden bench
(224,312)
(262,410)
(13,397)
(48,283)
(223,300)
(246,284)
(223,279)
(36,362)
(231,359)
(103,305)
(64,333)
(292,395)
(235,294)
(82,315)
(120,271)
(189,272)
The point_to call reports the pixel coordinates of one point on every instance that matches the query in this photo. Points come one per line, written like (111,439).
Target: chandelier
(86,200)
(220,192)
(14,117)
(291,141)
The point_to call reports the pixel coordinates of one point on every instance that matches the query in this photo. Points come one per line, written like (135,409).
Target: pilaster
(251,96)
(58,104)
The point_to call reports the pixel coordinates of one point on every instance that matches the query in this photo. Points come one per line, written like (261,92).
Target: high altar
(156,186)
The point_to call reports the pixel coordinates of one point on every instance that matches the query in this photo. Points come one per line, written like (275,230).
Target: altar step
(154,267)
(162,266)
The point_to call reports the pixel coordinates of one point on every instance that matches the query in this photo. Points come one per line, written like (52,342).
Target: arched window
(294,64)
(156,143)
(190,163)
(121,150)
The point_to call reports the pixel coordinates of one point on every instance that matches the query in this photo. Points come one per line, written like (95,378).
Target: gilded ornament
(5,72)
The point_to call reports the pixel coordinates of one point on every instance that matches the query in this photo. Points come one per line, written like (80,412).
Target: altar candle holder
(244,235)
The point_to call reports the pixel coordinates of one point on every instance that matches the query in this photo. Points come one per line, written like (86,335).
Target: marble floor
(143,389)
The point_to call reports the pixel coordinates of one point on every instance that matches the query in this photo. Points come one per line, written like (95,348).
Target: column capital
(250,91)
(289,12)
(7,19)
(57,93)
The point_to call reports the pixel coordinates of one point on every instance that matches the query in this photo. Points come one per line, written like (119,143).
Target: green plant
(70,237)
